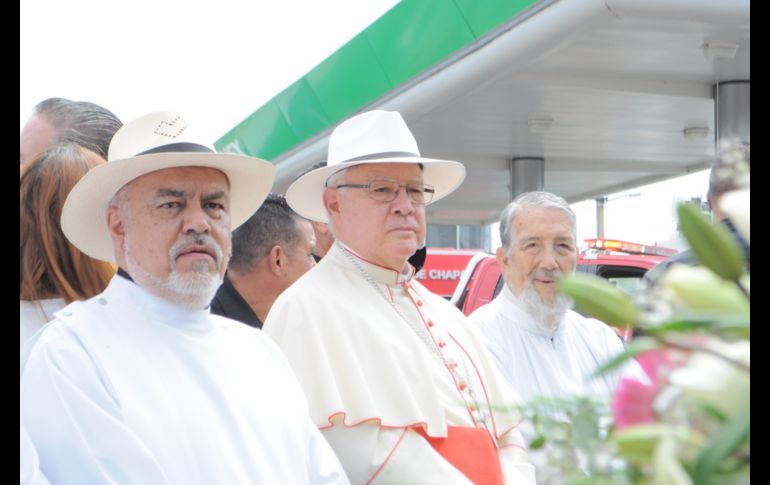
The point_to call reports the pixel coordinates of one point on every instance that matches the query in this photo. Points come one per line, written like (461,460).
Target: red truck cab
(443,269)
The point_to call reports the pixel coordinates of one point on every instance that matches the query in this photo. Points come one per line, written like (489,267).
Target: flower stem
(699,348)
(743,289)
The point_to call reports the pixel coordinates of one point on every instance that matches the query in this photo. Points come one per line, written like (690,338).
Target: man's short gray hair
(538,199)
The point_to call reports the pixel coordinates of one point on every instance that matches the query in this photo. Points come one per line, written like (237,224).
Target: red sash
(470,450)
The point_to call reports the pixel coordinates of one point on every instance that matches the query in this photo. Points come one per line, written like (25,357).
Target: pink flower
(632,403)
(655,363)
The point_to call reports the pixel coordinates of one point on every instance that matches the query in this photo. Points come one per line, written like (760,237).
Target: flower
(712,380)
(688,423)
(633,401)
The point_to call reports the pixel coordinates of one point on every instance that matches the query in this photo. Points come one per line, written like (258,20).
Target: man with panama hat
(399,382)
(141,384)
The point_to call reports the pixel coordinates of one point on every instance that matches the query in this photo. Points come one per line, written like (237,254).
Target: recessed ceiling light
(695,132)
(719,50)
(539,125)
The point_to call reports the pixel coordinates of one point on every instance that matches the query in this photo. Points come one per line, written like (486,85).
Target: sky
(214,61)
(218,61)
(646,214)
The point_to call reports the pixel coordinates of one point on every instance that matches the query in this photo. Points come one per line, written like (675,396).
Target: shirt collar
(163,311)
(380,274)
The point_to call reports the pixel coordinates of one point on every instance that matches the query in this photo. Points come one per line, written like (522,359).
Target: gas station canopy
(611,94)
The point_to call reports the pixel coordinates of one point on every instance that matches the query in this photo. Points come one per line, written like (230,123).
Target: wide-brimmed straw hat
(372,137)
(154,142)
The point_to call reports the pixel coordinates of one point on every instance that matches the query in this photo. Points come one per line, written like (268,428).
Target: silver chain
(421,334)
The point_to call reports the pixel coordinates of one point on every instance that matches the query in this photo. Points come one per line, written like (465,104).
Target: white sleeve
(371,454)
(630,368)
(514,460)
(29,473)
(493,343)
(75,422)
(323,465)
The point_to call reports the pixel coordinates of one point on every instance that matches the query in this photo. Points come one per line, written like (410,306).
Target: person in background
(730,171)
(270,251)
(57,120)
(397,379)
(323,236)
(541,346)
(52,271)
(141,384)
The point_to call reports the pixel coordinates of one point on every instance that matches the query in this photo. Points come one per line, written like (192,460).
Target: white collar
(160,310)
(381,274)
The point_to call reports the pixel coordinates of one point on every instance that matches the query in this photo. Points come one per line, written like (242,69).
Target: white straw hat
(153,142)
(372,137)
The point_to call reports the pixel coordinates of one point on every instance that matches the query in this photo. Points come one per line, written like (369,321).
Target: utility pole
(600,216)
(600,203)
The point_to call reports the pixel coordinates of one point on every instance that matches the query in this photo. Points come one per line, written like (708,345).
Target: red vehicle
(443,269)
(621,262)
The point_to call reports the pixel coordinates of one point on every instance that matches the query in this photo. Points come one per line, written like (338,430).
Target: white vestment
(378,354)
(557,362)
(29,473)
(130,388)
(33,315)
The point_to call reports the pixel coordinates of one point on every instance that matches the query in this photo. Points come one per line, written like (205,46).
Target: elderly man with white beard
(541,346)
(141,384)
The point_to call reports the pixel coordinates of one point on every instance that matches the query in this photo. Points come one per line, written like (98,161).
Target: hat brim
(305,195)
(84,215)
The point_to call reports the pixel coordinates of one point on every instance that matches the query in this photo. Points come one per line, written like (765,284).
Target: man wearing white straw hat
(398,380)
(141,384)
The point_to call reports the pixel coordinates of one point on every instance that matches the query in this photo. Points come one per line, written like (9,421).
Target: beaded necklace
(484,416)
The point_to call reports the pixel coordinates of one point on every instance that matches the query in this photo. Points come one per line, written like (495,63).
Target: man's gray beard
(547,314)
(193,290)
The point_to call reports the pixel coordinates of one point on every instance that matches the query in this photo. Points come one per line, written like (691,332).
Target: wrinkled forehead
(542,221)
(397,171)
(180,176)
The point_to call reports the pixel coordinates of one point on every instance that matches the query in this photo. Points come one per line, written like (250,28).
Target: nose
(548,259)
(402,204)
(196,220)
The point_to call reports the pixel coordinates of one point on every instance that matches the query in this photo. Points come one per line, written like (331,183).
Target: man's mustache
(204,241)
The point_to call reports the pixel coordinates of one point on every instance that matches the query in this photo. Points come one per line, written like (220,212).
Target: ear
(502,257)
(116,227)
(331,203)
(276,259)
(320,227)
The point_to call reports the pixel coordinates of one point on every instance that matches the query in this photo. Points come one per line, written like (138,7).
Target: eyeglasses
(386,190)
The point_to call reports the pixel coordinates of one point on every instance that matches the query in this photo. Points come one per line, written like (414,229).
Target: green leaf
(712,244)
(597,297)
(692,322)
(537,443)
(724,442)
(637,443)
(585,425)
(637,346)
(668,469)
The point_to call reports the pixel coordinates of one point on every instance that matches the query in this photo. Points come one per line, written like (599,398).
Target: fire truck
(621,262)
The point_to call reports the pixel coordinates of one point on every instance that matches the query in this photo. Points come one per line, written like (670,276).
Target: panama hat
(155,141)
(372,137)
